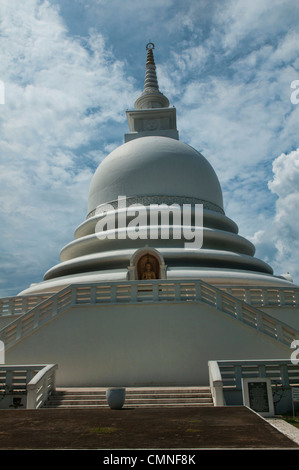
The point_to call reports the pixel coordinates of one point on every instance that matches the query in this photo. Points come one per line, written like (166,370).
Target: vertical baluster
(155,292)
(92,295)
(19,330)
(279,332)
(282,297)
(238,376)
(9,380)
(134,292)
(112,293)
(262,370)
(247,296)
(198,291)
(239,311)
(264,300)
(177,291)
(218,300)
(259,322)
(73,296)
(284,375)
(54,307)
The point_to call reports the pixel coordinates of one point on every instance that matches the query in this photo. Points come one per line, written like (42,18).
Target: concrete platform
(137,428)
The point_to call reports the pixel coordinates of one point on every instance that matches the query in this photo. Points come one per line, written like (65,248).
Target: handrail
(281,371)
(20,304)
(146,291)
(265,296)
(216,383)
(255,296)
(41,386)
(37,381)
(226,376)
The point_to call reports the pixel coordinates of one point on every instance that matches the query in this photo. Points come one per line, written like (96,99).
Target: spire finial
(150,55)
(151,96)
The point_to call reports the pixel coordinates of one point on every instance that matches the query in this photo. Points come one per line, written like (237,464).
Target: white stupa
(109,324)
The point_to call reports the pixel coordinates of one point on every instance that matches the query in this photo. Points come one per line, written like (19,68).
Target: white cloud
(59,92)
(281,234)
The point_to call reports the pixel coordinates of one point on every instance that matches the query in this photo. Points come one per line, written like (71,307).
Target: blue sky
(71,68)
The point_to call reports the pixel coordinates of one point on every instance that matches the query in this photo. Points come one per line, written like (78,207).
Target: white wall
(141,344)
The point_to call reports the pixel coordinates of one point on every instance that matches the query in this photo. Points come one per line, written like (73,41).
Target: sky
(69,70)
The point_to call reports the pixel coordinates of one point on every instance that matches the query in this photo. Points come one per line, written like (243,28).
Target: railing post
(262,370)
(279,331)
(112,293)
(19,330)
(284,375)
(216,383)
(93,295)
(259,322)
(39,382)
(31,397)
(218,300)
(24,304)
(133,292)
(36,318)
(9,379)
(10,307)
(238,376)
(54,307)
(29,375)
(239,311)
(282,298)
(155,292)
(73,296)
(198,291)
(247,295)
(265,300)
(177,291)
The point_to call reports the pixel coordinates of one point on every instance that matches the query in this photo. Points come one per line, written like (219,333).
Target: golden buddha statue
(148,272)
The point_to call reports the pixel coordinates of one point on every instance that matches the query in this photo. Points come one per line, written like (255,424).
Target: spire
(152,115)
(151,96)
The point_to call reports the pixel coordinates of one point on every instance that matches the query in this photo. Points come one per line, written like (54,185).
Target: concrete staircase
(136,397)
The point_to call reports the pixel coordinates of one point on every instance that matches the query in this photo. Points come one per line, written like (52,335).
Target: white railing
(41,386)
(20,304)
(146,291)
(228,375)
(36,382)
(216,383)
(266,296)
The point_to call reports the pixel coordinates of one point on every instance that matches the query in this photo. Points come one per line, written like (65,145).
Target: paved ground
(163,428)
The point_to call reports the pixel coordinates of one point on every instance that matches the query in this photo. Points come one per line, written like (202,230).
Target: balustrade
(151,291)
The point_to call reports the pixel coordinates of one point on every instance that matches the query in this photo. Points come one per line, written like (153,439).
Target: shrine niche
(147,264)
(148,268)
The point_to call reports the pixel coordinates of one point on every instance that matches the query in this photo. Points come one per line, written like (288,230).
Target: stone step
(135,397)
(88,401)
(69,396)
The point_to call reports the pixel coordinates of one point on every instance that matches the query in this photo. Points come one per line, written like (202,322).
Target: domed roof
(154,166)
